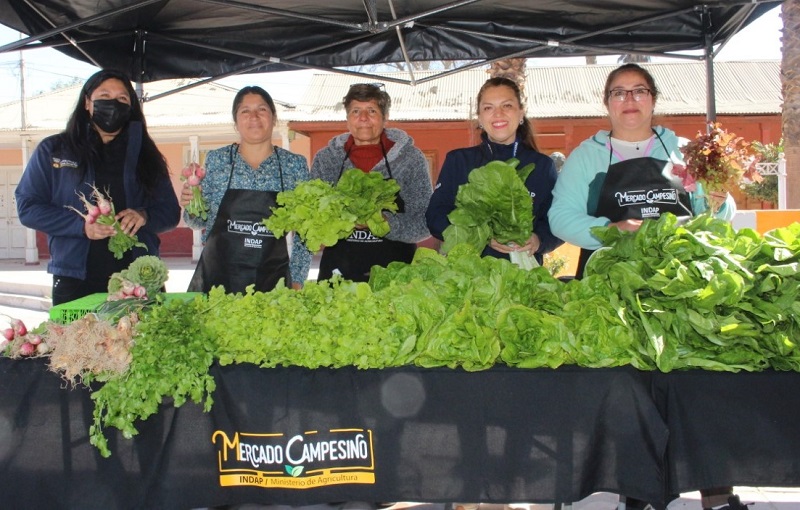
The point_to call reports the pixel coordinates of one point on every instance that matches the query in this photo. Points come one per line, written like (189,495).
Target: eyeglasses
(376,84)
(620,95)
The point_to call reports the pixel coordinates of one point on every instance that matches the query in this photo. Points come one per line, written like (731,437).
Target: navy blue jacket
(455,171)
(51,182)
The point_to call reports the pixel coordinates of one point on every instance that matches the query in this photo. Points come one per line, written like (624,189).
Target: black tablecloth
(501,435)
(730,429)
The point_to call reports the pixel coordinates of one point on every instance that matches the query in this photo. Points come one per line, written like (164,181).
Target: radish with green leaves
(193,174)
(100,209)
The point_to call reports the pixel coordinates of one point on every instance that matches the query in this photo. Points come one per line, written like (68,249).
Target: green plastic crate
(68,312)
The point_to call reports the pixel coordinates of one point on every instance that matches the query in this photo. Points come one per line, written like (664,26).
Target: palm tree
(629,58)
(511,68)
(790,81)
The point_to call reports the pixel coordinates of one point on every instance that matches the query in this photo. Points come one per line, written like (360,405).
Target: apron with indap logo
(240,251)
(354,257)
(638,188)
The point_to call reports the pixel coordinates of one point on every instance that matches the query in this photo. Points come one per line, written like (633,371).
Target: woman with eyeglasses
(506,134)
(604,179)
(372,147)
(240,187)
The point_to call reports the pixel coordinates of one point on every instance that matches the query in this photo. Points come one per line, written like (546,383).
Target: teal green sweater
(568,215)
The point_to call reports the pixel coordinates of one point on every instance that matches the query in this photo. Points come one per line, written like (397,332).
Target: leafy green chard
(703,295)
(323,214)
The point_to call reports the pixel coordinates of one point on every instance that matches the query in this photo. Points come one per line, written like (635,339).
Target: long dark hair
(525,132)
(85,142)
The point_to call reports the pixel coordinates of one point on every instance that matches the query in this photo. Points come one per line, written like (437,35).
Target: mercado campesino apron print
(354,257)
(240,250)
(638,188)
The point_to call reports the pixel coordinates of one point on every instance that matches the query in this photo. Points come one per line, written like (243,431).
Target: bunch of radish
(193,174)
(100,209)
(127,290)
(17,342)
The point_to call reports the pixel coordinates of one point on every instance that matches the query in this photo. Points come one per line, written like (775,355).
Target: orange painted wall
(10,157)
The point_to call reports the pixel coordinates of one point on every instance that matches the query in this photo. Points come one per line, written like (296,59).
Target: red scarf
(365,157)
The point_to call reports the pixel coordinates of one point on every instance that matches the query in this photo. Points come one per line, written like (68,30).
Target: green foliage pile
(326,324)
(171,357)
(322,214)
(703,295)
(666,297)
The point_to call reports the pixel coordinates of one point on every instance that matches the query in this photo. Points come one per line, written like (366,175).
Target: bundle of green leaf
(171,357)
(453,303)
(493,204)
(322,214)
(332,323)
(143,278)
(704,295)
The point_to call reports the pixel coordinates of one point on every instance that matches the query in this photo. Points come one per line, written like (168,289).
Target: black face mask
(110,115)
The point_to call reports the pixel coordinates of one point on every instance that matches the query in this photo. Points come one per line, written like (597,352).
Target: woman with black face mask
(105,146)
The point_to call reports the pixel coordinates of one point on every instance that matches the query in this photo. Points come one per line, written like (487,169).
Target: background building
(564,102)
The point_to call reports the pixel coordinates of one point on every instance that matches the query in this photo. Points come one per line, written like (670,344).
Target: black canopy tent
(210,39)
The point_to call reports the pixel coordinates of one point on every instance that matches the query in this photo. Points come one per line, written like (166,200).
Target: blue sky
(44,68)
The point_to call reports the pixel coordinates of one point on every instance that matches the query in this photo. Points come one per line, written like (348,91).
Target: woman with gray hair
(372,147)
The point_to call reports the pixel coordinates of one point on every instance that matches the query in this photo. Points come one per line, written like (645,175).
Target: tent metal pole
(402,42)
(75,24)
(69,39)
(711,106)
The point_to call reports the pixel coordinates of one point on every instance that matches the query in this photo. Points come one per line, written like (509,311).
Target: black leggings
(66,289)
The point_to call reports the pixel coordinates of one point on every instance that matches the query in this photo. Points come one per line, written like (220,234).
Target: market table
(311,436)
(729,429)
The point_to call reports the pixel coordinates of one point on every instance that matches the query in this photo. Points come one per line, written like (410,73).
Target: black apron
(354,257)
(637,189)
(240,251)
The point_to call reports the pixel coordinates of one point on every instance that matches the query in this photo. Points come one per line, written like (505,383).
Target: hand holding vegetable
(191,194)
(322,214)
(629,225)
(718,159)
(530,247)
(131,220)
(102,221)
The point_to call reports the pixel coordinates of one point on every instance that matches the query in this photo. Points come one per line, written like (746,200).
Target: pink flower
(687,179)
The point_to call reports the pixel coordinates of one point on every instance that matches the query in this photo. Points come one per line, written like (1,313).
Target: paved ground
(25,291)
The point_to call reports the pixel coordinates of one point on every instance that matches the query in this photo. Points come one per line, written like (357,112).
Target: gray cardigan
(409,168)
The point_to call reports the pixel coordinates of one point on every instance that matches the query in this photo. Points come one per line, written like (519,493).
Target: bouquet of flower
(718,160)
(100,209)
